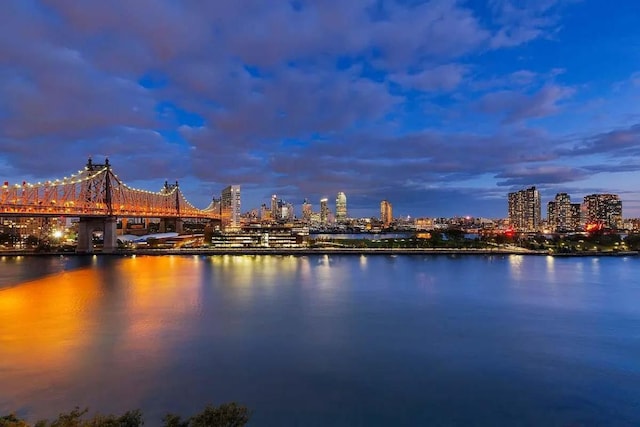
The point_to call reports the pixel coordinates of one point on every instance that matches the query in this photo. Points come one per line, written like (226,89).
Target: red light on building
(510,232)
(593,226)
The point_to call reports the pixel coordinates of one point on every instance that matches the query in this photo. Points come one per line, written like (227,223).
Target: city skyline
(442,107)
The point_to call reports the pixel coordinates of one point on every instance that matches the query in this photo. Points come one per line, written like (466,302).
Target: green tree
(12,421)
(225,415)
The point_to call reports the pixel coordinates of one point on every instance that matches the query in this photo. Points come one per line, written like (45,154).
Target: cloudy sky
(441,106)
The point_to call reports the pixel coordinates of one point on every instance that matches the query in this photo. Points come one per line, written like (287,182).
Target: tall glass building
(341,207)
(230,207)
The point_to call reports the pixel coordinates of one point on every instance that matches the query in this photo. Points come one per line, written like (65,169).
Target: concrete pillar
(163,225)
(110,241)
(85,236)
(179,226)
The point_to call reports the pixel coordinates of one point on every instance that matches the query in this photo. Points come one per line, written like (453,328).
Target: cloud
(517,106)
(618,142)
(523,21)
(536,175)
(440,78)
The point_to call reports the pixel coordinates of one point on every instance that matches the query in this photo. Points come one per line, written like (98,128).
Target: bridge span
(98,197)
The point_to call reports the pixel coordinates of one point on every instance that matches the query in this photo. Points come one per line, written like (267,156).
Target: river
(325,340)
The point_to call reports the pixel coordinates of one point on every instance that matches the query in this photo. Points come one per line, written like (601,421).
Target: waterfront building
(324,211)
(422,224)
(230,207)
(603,209)
(562,215)
(257,236)
(341,207)
(306,211)
(525,210)
(386,213)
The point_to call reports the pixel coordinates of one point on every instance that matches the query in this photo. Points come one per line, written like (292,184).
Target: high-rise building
(306,211)
(604,209)
(230,207)
(341,207)
(274,207)
(386,213)
(562,215)
(525,209)
(324,211)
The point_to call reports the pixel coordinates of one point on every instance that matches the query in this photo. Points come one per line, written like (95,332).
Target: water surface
(326,340)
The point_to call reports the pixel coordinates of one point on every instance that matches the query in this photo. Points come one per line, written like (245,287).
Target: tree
(225,415)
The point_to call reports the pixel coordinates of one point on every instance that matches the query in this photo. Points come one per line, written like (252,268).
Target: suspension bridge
(98,197)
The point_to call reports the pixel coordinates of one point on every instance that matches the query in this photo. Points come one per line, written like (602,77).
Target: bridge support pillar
(87,226)
(110,241)
(85,235)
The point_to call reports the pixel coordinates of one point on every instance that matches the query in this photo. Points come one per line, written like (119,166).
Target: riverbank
(327,251)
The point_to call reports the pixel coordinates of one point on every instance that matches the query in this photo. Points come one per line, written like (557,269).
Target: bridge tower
(98,192)
(172,224)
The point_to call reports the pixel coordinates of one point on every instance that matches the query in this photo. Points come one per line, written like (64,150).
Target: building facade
(230,207)
(386,213)
(306,211)
(341,207)
(525,210)
(603,209)
(324,212)
(562,215)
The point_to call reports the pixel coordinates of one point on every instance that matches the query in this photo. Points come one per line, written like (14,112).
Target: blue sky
(441,107)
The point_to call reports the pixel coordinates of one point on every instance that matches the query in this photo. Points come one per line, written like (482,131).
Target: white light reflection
(363,262)
(515,264)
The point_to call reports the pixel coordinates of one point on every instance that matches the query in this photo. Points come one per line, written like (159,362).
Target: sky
(441,107)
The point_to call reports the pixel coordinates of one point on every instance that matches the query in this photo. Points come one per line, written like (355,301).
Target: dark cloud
(517,106)
(536,175)
(618,142)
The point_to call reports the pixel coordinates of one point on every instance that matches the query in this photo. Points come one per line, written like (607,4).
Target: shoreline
(324,251)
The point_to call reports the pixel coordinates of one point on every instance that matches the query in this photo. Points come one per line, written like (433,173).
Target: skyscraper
(605,209)
(324,211)
(306,211)
(274,207)
(386,213)
(341,207)
(525,209)
(562,215)
(230,207)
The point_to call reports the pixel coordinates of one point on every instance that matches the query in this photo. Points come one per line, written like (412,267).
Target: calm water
(319,340)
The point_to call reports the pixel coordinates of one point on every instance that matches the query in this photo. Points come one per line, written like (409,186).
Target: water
(326,340)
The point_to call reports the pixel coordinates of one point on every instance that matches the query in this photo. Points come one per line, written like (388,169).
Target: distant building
(324,212)
(562,215)
(605,209)
(341,207)
(525,209)
(386,213)
(306,211)
(265,213)
(274,208)
(230,207)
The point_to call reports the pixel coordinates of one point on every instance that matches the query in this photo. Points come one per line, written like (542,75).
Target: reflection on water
(317,340)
